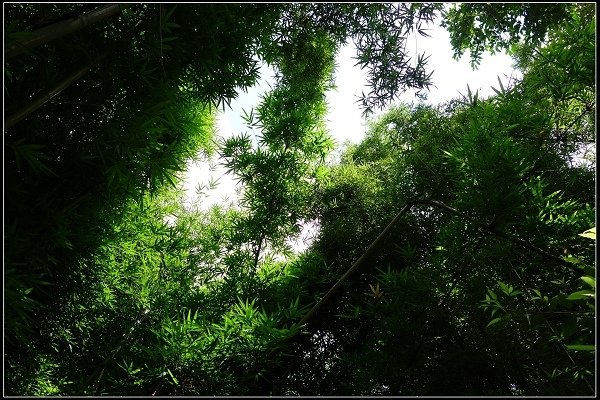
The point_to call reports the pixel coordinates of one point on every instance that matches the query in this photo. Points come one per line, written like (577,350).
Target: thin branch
(502,235)
(588,108)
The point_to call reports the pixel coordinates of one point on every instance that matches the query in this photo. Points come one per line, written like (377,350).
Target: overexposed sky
(344,118)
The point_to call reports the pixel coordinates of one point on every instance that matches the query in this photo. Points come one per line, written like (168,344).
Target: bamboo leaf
(590,233)
(580,295)
(501,85)
(173,377)
(589,280)
(581,347)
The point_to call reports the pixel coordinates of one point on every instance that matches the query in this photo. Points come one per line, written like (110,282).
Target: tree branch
(502,235)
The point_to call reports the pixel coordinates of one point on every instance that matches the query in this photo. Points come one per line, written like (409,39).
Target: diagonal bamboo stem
(41,100)
(62,28)
(407,206)
(309,315)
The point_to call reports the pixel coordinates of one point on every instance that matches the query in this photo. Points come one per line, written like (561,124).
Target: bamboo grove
(455,245)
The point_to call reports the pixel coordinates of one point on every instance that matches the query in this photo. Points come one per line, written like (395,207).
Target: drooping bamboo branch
(41,100)
(62,28)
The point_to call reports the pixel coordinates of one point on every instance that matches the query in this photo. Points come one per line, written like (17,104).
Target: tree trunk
(59,29)
(40,101)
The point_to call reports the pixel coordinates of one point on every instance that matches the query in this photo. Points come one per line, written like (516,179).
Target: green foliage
(421,327)
(114,287)
(496,27)
(379,32)
(569,318)
(277,172)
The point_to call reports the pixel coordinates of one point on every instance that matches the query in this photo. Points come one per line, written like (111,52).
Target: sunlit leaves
(589,280)
(484,27)
(277,168)
(581,295)
(590,233)
(152,298)
(581,347)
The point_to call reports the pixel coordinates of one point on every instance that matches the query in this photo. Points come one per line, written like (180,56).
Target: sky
(344,117)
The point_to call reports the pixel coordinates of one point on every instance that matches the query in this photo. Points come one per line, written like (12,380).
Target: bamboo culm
(60,29)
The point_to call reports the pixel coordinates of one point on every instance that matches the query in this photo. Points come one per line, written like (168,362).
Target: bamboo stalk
(62,28)
(308,316)
(41,100)
(408,205)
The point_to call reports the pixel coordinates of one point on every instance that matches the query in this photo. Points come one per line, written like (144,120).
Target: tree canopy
(455,245)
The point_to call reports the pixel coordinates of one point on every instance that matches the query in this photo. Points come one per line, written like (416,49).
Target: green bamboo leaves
(590,233)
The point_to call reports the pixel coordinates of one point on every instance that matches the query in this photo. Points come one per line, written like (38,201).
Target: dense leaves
(485,285)
(447,308)
(495,27)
